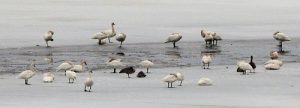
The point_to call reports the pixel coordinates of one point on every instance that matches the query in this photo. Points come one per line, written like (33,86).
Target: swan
(121,38)
(252,63)
(174,37)
(128,70)
(281,37)
(88,82)
(272,66)
(141,74)
(180,77)
(71,75)
(205,82)
(28,73)
(101,38)
(80,67)
(48,77)
(244,66)
(274,55)
(48,37)
(147,64)
(67,65)
(115,63)
(170,79)
(279,62)
(208,37)
(206,59)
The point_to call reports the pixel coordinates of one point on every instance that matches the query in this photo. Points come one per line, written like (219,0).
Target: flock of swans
(210,38)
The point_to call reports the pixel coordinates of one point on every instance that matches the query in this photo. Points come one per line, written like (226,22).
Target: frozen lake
(23,23)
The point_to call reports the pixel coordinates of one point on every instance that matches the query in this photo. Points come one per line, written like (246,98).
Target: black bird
(252,63)
(141,74)
(128,70)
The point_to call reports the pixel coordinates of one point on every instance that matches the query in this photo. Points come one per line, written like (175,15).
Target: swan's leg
(203,65)
(99,42)
(174,44)
(114,70)
(90,88)
(128,76)
(168,85)
(85,88)
(69,80)
(171,85)
(109,40)
(216,42)
(180,83)
(147,69)
(280,46)
(65,72)
(26,82)
(47,43)
(207,65)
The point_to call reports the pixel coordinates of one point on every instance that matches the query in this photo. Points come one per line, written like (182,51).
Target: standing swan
(29,73)
(115,63)
(208,37)
(110,33)
(48,37)
(121,38)
(67,65)
(206,59)
(80,67)
(88,82)
(174,37)
(71,75)
(170,79)
(281,37)
(147,64)
(180,77)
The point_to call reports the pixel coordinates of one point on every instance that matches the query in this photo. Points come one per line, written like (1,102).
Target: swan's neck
(113,28)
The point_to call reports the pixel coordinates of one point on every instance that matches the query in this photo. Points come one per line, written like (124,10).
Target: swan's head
(251,57)
(51,32)
(112,23)
(83,62)
(276,32)
(173,74)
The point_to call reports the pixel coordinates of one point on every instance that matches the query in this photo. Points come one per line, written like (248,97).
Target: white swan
(180,77)
(206,59)
(272,66)
(121,38)
(48,77)
(48,37)
(88,82)
(170,79)
(244,66)
(281,37)
(279,62)
(205,82)
(71,75)
(208,37)
(27,74)
(67,65)
(101,37)
(174,37)
(80,67)
(115,63)
(274,55)
(147,64)
(111,32)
